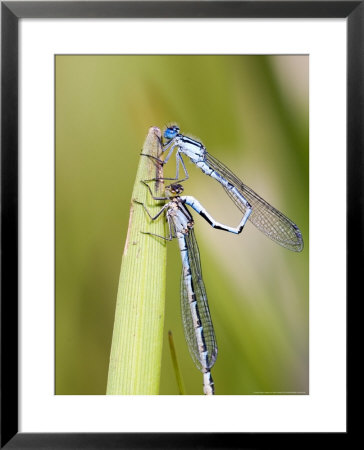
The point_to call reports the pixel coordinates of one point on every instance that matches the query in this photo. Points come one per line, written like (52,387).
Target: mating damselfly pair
(198,328)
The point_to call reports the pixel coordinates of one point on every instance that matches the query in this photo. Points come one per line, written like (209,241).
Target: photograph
(171,223)
(181,224)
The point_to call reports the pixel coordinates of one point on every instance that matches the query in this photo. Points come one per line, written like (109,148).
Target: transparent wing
(264,216)
(202,306)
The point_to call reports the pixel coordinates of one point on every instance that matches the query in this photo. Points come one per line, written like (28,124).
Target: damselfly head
(175,189)
(171,132)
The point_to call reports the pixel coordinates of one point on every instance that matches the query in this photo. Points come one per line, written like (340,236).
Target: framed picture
(272,89)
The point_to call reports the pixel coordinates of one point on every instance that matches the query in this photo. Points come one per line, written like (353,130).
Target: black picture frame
(11,12)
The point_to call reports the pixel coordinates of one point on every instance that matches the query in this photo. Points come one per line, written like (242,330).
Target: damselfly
(197,323)
(264,216)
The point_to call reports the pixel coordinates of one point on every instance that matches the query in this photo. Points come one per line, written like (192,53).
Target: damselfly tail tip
(208,384)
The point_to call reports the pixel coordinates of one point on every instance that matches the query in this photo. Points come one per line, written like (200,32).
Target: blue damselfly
(264,216)
(196,318)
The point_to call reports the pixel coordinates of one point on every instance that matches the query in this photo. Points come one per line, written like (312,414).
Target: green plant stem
(177,372)
(136,350)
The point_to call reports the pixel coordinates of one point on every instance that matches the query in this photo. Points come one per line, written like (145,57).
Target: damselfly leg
(179,160)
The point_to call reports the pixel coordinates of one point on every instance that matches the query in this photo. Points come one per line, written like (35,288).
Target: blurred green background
(251,112)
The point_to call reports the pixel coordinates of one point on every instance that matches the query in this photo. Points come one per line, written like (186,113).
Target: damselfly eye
(171,132)
(175,188)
